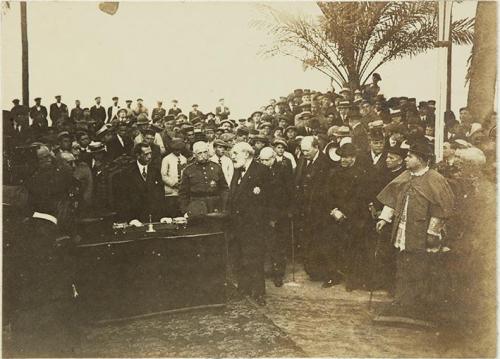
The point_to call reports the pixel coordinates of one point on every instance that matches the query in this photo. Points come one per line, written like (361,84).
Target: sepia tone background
(195,52)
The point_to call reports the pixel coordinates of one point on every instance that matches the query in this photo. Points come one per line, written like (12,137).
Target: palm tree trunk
(483,72)
(25,63)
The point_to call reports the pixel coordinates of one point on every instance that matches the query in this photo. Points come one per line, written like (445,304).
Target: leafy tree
(351,40)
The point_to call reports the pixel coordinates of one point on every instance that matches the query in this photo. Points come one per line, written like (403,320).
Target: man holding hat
(57,110)
(417,202)
(203,187)
(98,113)
(113,110)
(220,157)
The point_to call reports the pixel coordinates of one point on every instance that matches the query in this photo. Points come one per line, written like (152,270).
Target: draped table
(135,274)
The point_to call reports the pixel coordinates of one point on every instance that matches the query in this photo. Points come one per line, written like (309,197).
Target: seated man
(202,184)
(141,195)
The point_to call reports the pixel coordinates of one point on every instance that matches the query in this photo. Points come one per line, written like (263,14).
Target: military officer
(203,186)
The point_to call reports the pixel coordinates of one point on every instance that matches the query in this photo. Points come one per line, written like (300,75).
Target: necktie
(178,169)
(144,174)
(220,161)
(242,173)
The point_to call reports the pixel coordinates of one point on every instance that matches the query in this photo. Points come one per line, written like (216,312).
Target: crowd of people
(353,171)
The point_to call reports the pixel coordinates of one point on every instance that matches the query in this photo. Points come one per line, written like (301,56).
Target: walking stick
(293,283)
(374,261)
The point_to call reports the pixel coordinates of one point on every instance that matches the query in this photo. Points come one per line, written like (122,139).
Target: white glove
(338,215)
(136,223)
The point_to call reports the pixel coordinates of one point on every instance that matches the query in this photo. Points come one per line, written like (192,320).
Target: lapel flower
(256,190)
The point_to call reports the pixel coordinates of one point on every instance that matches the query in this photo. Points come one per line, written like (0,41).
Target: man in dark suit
(249,194)
(58,110)
(76,113)
(280,189)
(311,213)
(195,113)
(359,135)
(346,197)
(174,110)
(143,194)
(120,143)
(38,113)
(158,112)
(113,110)
(44,277)
(98,113)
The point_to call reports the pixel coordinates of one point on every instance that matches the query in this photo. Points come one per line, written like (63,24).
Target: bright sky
(195,52)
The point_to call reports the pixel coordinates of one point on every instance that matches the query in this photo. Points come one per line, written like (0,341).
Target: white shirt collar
(247,165)
(47,217)
(422,172)
(142,166)
(315,157)
(375,157)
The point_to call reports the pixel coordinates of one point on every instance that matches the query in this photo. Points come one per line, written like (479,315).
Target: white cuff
(386,214)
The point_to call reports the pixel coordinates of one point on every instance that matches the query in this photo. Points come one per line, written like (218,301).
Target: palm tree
(483,69)
(351,40)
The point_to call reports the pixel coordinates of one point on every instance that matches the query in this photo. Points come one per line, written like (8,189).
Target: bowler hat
(397,150)
(347,150)
(422,148)
(38,99)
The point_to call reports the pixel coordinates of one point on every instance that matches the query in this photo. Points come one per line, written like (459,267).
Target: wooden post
(25,62)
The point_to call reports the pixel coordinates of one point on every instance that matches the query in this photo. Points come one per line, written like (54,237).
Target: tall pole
(24,46)
(444,73)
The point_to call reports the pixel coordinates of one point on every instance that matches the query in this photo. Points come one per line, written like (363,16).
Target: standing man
(174,110)
(311,183)
(249,210)
(280,188)
(113,110)
(98,113)
(222,111)
(158,112)
(172,166)
(195,113)
(76,113)
(203,184)
(219,157)
(57,110)
(417,202)
(142,194)
(120,143)
(38,113)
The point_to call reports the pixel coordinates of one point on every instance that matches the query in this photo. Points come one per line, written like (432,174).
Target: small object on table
(150,226)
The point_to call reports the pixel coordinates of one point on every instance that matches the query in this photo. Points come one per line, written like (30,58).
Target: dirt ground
(301,319)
